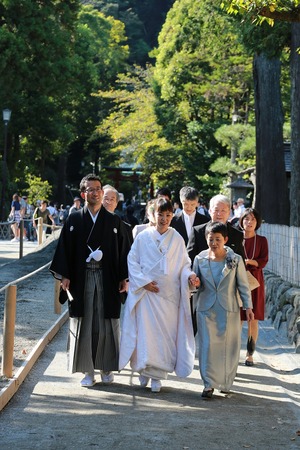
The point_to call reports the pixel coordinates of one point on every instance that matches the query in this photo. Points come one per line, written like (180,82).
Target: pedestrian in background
(150,219)
(76,205)
(129,216)
(43,212)
(257,255)
(189,216)
(15,216)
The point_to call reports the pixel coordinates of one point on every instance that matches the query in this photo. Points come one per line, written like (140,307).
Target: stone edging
(14,383)
(283,306)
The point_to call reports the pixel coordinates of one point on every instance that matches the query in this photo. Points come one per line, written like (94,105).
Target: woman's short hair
(255,213)
(216,227)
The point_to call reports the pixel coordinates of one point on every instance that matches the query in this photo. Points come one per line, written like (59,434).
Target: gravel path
(35,301)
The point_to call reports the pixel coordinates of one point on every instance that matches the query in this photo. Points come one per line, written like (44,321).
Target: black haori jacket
(110,235)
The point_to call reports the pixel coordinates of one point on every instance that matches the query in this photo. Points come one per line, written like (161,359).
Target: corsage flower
(231,261)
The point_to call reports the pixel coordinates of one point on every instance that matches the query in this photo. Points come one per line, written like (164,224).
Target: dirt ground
(35,301)
(52,411)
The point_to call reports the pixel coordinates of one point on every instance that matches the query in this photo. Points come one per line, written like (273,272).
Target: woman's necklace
(254,247)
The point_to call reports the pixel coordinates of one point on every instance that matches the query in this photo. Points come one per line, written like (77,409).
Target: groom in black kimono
(91,262)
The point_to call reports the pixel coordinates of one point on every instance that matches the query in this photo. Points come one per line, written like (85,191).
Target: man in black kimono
(91,262)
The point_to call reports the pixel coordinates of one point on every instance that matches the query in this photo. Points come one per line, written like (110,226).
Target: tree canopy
(203,77)
(273,11)
(54,55)
(270,10)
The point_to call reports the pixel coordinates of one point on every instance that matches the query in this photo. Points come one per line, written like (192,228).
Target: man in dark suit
(189,217)
(164,192)
(184,222)
(219,210)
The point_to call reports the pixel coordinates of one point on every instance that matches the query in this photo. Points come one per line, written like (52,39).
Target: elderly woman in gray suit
(223,286)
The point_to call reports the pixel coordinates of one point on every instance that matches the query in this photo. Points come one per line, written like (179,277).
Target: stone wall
(283,306)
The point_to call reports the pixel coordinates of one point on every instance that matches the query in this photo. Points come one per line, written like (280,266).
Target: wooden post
(57,305)
(9,330)
(40,230)
(21,227)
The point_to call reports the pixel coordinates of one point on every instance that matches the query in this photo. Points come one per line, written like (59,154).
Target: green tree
(266,45)
(239,140)
(142,19)
(273,11)
(101,52)
(36,41)
(136,137)
(269,10)
(54,55)
(37,188)
(203,77)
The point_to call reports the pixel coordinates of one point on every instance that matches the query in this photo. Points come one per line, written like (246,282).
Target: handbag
(253,282)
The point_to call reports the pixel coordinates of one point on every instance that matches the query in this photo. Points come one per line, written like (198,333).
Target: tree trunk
(61,183)
(295,126)
(271,182)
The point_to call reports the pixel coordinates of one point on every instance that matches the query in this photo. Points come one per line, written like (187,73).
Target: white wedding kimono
(157,333)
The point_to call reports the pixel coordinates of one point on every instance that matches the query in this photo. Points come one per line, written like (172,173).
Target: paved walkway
(52,411)
(11,250)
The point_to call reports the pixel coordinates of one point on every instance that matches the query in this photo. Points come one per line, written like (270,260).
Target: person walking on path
(150,219)
(76,205)
(157,333)
(91,262)
(43,212)
(256,251)
(15,215)
(222,276)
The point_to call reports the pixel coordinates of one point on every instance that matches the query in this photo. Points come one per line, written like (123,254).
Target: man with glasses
(91,262)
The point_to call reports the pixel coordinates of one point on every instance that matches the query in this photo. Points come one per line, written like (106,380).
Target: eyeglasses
(92,191)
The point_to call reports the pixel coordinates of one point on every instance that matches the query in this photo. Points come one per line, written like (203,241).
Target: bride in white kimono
(157,333)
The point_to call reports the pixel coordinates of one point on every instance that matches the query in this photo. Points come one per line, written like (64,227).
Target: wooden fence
(13,376)
(284,251)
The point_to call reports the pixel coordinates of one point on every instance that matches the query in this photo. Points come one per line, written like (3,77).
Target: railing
(5,231)
(284,251)
(10,317)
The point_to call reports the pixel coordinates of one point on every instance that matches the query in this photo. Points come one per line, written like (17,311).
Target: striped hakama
(97,345)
